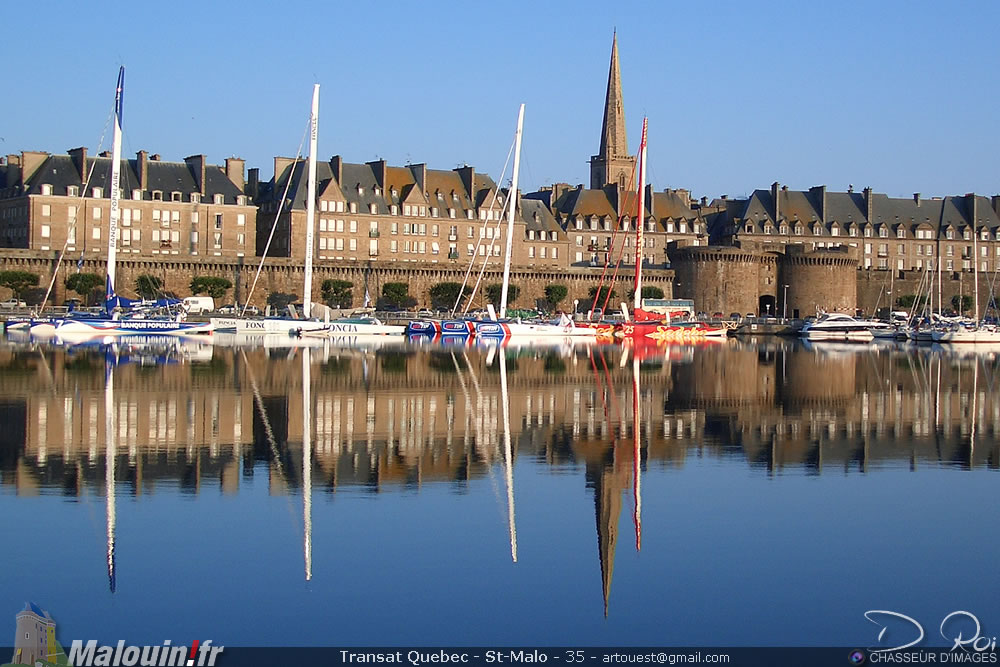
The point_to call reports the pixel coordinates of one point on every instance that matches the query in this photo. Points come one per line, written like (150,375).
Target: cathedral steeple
(612,165)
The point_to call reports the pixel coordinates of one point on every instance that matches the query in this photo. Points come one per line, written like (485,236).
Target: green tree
(397,295)
(213,286)
(493,294)
(554,294)
(648,292)
(602,297)
(444,295)
(966,303)
(280,300)
(337,293)
(84,284)
(147,286)
(18,281)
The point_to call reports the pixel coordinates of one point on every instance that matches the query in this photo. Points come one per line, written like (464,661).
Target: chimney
(280,165)
(234,172)
(104,154)
(142,162)
(79,157)
(155,157)
(685,196)
(419,172)
(704,201)
(869,208)
(468,175)
(253,182)
(337,167)
(30,162)
(196,163)
(916,198)
(819,192)
(649,201)
(774,196)
(378,167)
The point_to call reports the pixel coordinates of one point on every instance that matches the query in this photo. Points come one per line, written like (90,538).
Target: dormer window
(883,233)
(136,194)
(768,229)
(219,200)
(392,209)
(949,233)
(578,223)
(454,196)
(157,195)
(531,234)
(46,189)
(195,197)
(394,192)
(373,209)
(378,191)
(749,228)
(868,231)
(853,231)
(984,235)
(965,234)
(835,231)
(900,233)
(799,229)
(783,229)
(97,193)
(175,196)
(354,207)
(72,191)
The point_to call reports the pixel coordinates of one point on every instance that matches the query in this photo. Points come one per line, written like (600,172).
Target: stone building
(183,209)
(35,636)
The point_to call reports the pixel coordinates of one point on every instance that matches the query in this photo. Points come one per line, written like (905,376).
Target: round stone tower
(720,279)
(818,280)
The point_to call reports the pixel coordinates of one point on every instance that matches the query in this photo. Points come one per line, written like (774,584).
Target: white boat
(975,334)
(115,321)
(347,327)
(840,327)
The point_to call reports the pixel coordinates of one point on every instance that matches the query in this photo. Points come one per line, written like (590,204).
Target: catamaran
(115,320)
(652,325)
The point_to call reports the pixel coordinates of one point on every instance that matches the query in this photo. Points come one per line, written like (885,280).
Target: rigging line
(277,216)
(489,253)
(614,235)
(468,270)
(76,216)
(259,402)
(598,382)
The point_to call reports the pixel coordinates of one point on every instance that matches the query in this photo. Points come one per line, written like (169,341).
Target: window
(353,245)
(900,249)
(175,196)
(799,229)
(854,230)
(470,232)
(241,239)
(554,253)
(354,226)
(835,231)
(373,209)
(322,224)
(435,248)
(322,243)
(46,210)
(394,210)
(45,231)
(531,234)
(97,193)
(72,191)
(394,228)
(900,233)
(241,219)
(157,195)
(218,199)
(218,221)
(175,216)
(217,240)
(670,228)
(96,234)
(194,217)
(46,189)
(393,245)
(868,248)
(354,209)
(96,213)
(471,250)
(71,214)
(340,243)
(531,251)
(451,213)
(683,228)
(868,231)
(126,237)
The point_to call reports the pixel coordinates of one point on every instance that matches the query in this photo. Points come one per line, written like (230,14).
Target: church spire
(612,165)
(613,138)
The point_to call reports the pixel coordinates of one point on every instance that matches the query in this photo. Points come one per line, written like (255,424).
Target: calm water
(781,492)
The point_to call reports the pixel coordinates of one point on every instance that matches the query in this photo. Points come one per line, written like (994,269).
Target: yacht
(837,326)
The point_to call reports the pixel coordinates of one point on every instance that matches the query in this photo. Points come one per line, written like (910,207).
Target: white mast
(307,461)
(511,205)
(110,453)
(311,203)
(508,458)
(116,176)
(639,218)
(975,268)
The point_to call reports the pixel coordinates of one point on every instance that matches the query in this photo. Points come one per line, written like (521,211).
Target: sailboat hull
(109,327)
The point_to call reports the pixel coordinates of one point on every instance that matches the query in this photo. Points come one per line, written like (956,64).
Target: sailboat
(115,321)
(651,325)
(980,332)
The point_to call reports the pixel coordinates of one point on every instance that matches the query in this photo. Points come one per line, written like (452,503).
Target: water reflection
(376,416)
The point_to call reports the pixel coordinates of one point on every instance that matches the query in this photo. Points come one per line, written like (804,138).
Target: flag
(368,299)
(79,263)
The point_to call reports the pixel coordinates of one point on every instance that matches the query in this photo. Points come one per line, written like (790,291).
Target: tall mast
(975,269)
(311,203)
(511,205)
(639,218)
(116,177)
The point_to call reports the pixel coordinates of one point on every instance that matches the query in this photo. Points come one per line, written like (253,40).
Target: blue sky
(900,96)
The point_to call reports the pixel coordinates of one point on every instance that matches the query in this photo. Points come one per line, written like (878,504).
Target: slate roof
(537,216)
(59,171)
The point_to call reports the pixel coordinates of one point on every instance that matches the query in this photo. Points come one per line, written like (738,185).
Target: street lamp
(784,304)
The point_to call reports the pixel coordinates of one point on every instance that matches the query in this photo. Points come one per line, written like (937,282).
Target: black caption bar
(591,656)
